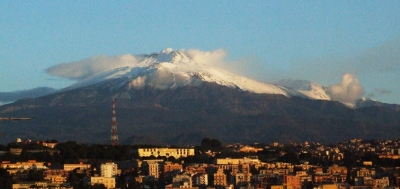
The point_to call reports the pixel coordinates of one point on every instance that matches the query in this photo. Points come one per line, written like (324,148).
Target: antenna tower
(114,131)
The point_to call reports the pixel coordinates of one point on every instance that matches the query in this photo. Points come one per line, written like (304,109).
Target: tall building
(220,178)
(200,179)
(108,169)
(114,131)
(153,168)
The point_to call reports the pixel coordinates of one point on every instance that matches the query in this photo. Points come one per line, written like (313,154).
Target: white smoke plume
(248,67)
(347,91)
(87,67)
(82,69)
(206,57)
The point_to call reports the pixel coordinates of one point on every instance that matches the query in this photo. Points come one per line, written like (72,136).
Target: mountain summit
(170,69)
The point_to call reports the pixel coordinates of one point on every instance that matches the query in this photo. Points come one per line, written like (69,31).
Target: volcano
(173,97)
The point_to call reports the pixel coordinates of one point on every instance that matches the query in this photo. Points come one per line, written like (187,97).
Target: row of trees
(71,151)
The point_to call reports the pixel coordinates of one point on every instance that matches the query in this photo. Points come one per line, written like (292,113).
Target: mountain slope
(32,93)
(366,102)
(187,114)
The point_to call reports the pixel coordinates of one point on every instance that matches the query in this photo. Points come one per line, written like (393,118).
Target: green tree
(35,175)
(5,179)
(3,147)
(289,157)
(211,144)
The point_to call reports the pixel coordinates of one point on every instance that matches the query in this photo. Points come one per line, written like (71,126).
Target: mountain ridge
(184,115)
(8,97)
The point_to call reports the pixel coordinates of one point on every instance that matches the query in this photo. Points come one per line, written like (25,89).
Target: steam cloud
(87,67)
(347,91)
(248,67)
(206,57)
(82,69)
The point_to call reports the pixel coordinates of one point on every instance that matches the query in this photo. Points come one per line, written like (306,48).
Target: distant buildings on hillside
(167,152)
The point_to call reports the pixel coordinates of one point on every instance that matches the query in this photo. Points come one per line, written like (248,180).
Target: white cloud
(206,57)
(87,67)
(82,69)
(347,91)
(248,67)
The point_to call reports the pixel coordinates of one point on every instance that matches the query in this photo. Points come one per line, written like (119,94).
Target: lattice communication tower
(114,130)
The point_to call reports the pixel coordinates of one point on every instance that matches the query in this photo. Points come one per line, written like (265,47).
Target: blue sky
(309,40)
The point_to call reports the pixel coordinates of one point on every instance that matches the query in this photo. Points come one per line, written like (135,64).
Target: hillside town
(352,164)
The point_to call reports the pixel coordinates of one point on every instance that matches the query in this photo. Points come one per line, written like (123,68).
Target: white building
(167,152)
(108,170)
(108,182)
(153,168)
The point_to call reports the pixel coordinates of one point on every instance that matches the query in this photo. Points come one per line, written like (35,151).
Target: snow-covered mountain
(204,107)
(308,88)
(170,69)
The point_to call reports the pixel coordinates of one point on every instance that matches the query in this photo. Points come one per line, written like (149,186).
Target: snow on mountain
(170,69)
(308,88)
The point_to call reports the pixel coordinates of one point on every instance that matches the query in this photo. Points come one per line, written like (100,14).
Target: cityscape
(351,164)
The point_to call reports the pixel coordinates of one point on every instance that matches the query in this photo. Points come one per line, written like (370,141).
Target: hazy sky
(269,40)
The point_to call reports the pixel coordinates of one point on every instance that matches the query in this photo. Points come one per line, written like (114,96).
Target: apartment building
(109,170)
(220,178)
(153,168)
(108,182)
